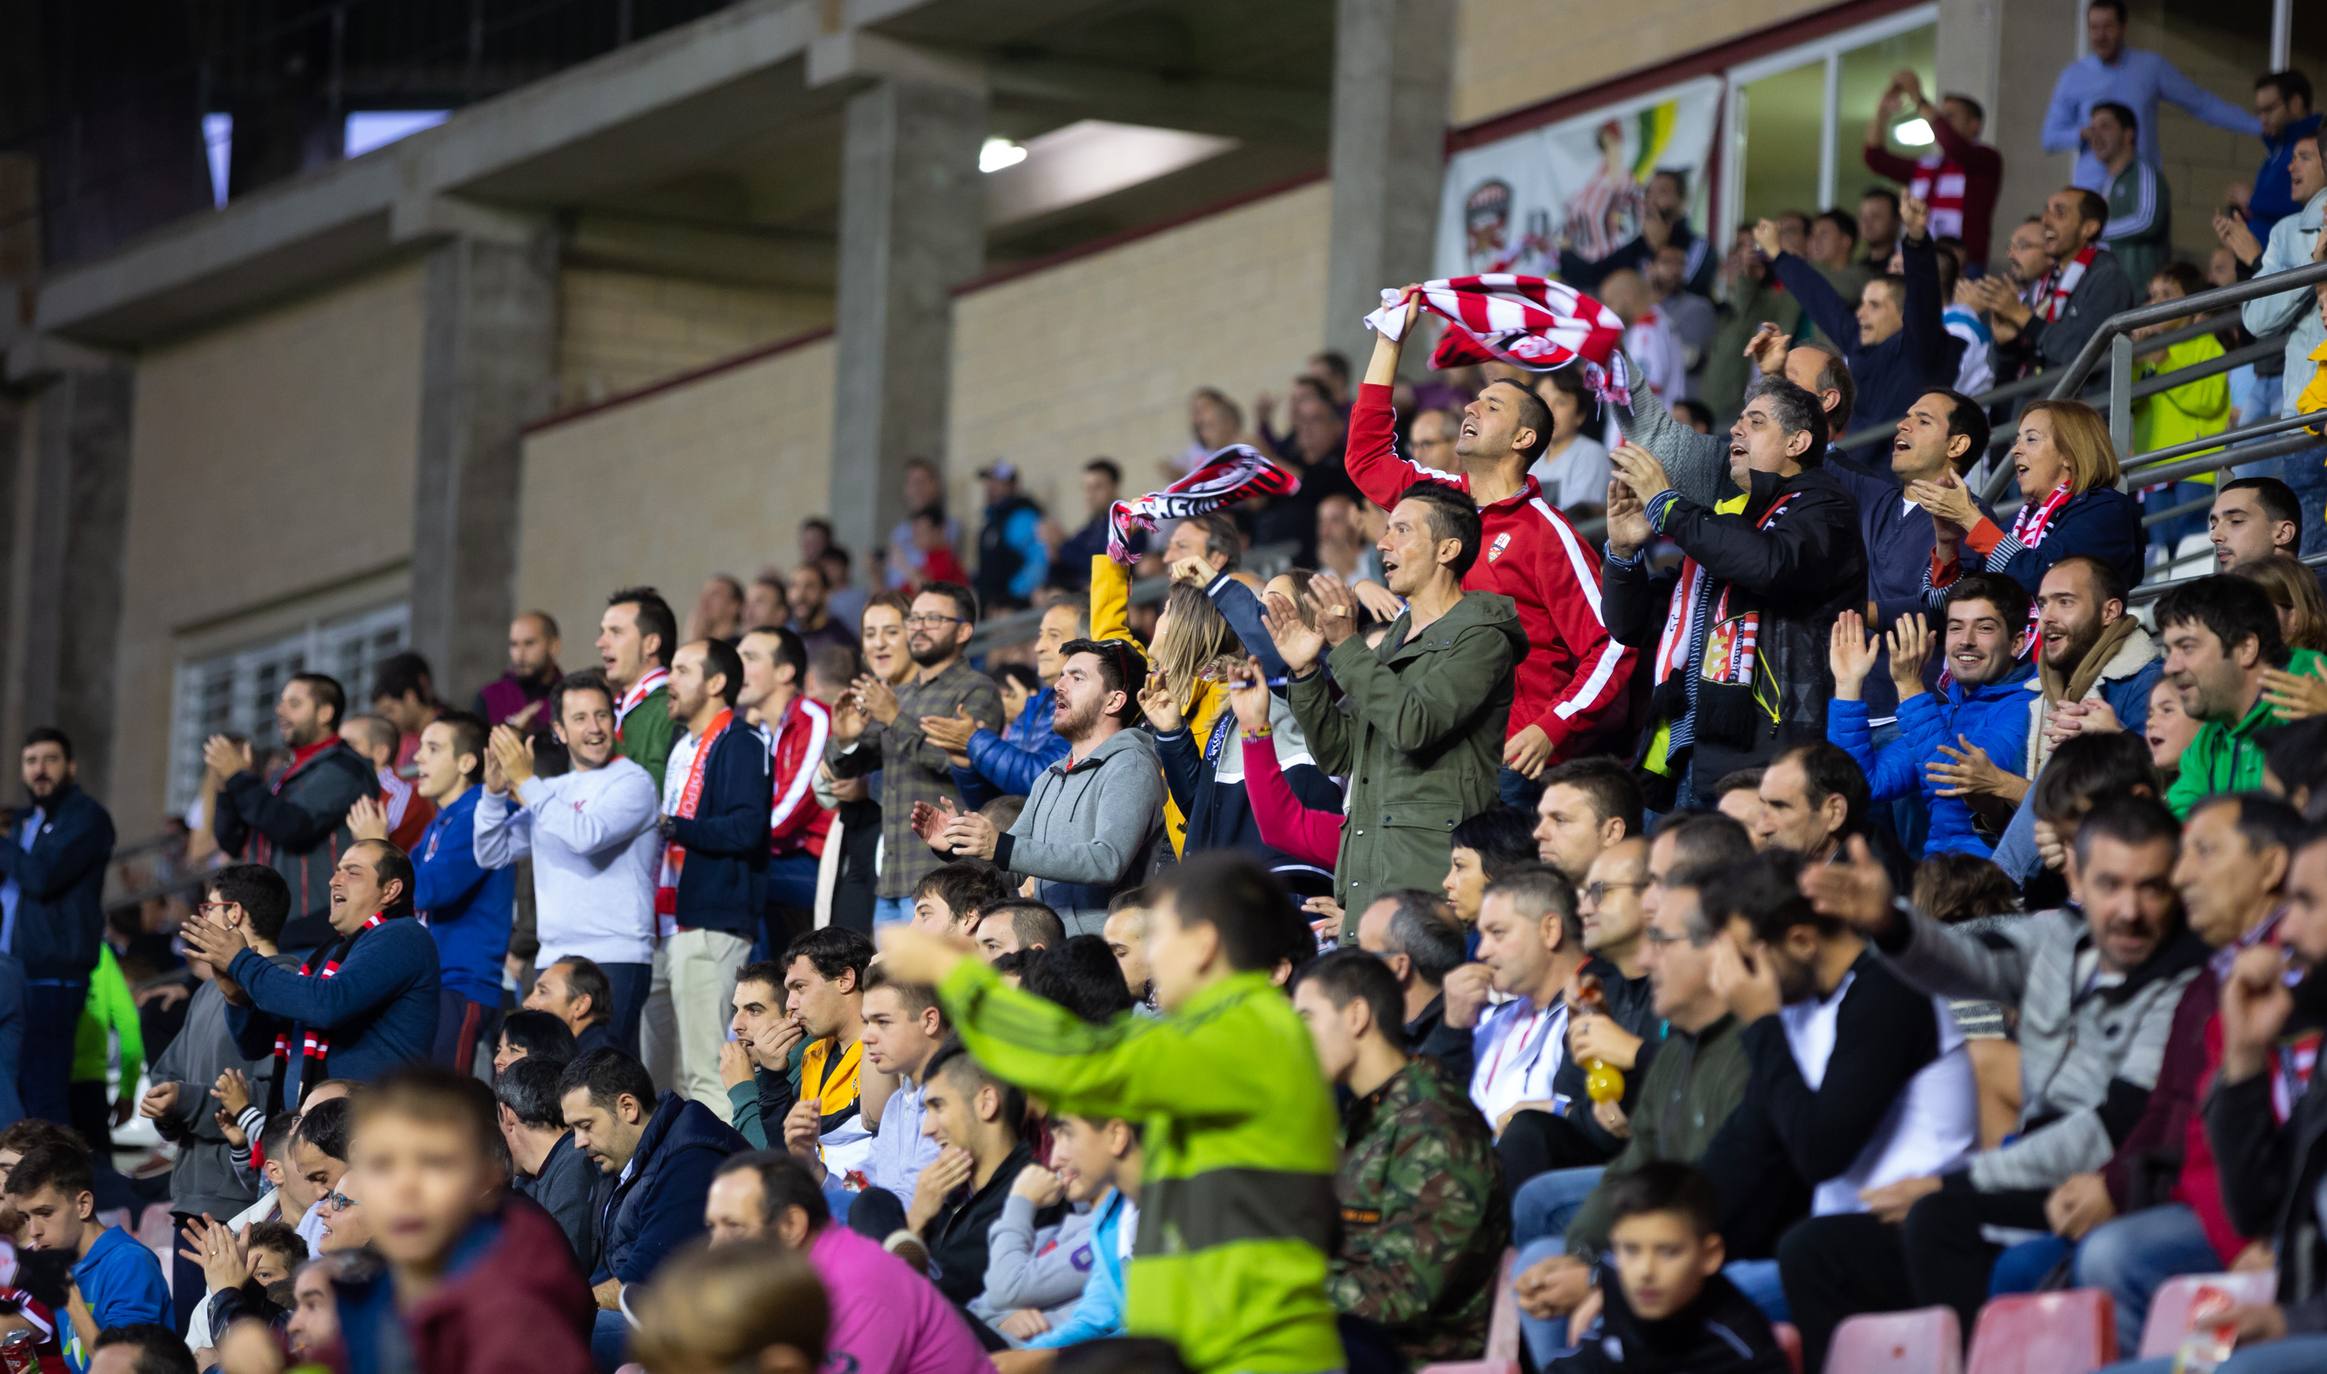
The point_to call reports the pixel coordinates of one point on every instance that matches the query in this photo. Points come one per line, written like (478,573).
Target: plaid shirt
(911,768)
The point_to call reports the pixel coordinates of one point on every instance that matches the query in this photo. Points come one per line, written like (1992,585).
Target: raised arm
(1697,463)
(1819,300)
(2064,117)
(2175,86)
(1923,323)
(504,833)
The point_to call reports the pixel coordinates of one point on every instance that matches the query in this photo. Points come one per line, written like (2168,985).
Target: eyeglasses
(1659,939)
(1599,891)
(917,618)
(339,1202)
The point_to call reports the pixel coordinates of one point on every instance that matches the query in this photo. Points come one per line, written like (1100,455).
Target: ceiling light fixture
(997,153)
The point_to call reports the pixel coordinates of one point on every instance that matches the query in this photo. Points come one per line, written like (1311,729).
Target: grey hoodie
(205,1179)
(1090,828)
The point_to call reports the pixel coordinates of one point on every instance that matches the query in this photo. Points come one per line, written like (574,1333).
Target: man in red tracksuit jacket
(1574,690)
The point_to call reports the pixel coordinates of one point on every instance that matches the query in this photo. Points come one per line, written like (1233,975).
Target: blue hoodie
(122,1283)
(1993,716)
(467,904)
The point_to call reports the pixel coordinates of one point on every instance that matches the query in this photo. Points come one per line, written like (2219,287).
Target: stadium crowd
(1675,862)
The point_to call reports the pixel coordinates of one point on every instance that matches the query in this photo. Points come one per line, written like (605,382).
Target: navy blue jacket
(60,886)
(724,883)
(1898,555)
(379,1010)
(467,905)
(660,1207)
(2103,523)
(1891,374)
(1002,767)
(1994,717)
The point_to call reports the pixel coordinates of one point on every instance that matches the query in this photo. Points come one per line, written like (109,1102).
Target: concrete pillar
(1392,68)
(68,461)
(2006,56)
(912,227)
(488,365)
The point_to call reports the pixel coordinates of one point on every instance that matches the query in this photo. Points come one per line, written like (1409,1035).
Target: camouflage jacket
(1423,1218)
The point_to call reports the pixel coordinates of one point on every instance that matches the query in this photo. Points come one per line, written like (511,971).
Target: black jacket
(2271,1176)
(60,886)
(956,1236)
(1891,374)
(1720,1333)
(567,1188)
(1792,556)
(298,827)
(659,1208)
(723,885)
(1429,1036)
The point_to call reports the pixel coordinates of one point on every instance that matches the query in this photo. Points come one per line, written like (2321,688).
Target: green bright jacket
(2225,758)
(1236,1207)
(110,1012)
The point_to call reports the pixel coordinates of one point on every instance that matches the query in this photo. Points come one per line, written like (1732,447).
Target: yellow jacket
(1111,619)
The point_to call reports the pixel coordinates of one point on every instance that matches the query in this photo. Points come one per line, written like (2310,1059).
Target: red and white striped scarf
(2035,518)
(1227,477)
(666,892)
(315,1047)
(1532,322)
(2061,283)
(639,691)
(1730,648)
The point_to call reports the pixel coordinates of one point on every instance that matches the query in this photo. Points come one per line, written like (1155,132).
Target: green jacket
(646,734)
(110,1012)
(1423,1220)
(1419,736)
(1236,1213)
(2225,758)
(1693,1085)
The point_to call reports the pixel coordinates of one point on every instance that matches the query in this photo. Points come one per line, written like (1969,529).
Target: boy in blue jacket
(1960,749)
(115,1281)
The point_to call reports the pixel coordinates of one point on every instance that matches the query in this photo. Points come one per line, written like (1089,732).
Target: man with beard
(1946,747)
(1090,827)
(775,700)
(2095,987)
(877,728)
(991,763)
(516,697)
(2070,303)
(297,821)
(2221,637)
(52,911)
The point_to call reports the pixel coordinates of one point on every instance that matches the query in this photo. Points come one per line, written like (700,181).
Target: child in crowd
(262,1256)
(2191,411)
(115,1281)
(1665,1306)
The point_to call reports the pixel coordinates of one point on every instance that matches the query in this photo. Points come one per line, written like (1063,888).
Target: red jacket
(796,823)
(512,1299)
(1575,681)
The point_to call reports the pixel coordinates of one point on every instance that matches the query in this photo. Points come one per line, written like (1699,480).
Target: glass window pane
(1783,117)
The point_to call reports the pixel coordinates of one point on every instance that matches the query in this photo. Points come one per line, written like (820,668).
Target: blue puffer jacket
(1006,764)
(1993,716)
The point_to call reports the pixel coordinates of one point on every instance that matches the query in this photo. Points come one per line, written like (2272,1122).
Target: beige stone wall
(1097,356)
(711,476)
(618,331)
(2223,48)
(272,465)
(1509,54)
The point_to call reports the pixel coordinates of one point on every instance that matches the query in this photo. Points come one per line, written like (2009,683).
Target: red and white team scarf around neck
(666,892)
(2035,518)
(1532,322)
(1731,648)
(639,691)
(315,1046)
(1227,477)
(2061,283)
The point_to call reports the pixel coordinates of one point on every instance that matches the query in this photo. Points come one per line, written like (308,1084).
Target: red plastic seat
(2045,1333)
(1503,1325)
(1927,1340)
(1790,1341)
(2169,1309)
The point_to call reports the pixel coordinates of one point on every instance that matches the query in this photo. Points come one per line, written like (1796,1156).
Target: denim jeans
(2133,1256)
(629,984)
(890,910)
(2294,1355)
(1546,1203)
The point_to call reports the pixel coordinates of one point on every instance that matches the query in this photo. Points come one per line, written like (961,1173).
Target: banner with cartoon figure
(1580,184)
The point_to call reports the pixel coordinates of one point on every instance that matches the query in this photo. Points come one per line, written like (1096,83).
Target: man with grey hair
(1740,636)
(1415,933)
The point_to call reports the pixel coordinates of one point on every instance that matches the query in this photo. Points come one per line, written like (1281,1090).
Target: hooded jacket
(2224,757)
(297,825)
(511,1299)
(1090,827)
(60,886)
(1993,716)
(643,1218)
(1722,1332)
(1419,734)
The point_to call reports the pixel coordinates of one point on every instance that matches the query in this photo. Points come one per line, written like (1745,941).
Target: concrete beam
(1392,73)
(2006,56)
(705,252)
(1228,109)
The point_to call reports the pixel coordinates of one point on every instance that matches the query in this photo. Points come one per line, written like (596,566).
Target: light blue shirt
(10,893)
(2138,80)
(900,1151)
(2292,241)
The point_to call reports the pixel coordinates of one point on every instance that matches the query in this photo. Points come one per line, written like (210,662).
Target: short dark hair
(159,1349)
(1080,974)
(392,865)
(1766,893)
(434,1094)
(2296,754)
(1539,890)
(585,979)
(1424,930)
(1667,1185)
(954,1060)
(1033,922)
(965,601)
(1882,193)
(2108,583)
(1502,836)
(1696,412)
(720,660)
(791,650)
(590,680)
(1608,782)
(785,1183)
(606,1074)
(2085,768)
(2127,820)
(539,1034)
(2263,821)
(276,1135)
(917,997)
(2123,114)
(1336,362)
(469,733)
(1122,668)
(1843,221)
(1221,539)
(261,893)
(1833,375)
(1106,467)
(326,691)
(2004,593)
(1830,771)
(49,734)
(1955,887)
(2232,608)
(1706,838)
(1237,897)
(1796,411)
(1019,675)
(2290,84)
(654,618)
(327,1125)
(2091,207)
(2116,7)
(1534,413)
(1966,419)
(281,1237)
(831,951)
(403,675)
(529,1089)
(1352,975)
(1738,780)
(1978,111)
(2276,498)
(53,1163)
(965,886)
(1451,515)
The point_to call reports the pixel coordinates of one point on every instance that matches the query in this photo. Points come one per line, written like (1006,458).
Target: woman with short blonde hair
(2070,506)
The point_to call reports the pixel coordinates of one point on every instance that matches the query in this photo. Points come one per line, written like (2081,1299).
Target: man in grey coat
(1092,823)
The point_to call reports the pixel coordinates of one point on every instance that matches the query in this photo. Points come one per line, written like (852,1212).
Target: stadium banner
(1580,180)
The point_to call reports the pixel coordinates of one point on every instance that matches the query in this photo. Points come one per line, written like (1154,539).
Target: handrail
(2150,591)
(2072,378)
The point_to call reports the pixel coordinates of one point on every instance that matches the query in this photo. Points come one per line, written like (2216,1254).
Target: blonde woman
(2068,475)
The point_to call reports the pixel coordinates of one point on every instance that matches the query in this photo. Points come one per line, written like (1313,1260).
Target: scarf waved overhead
(315,1048)
(2062,282)
(666,892)
(1227,477)
(1532,322)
